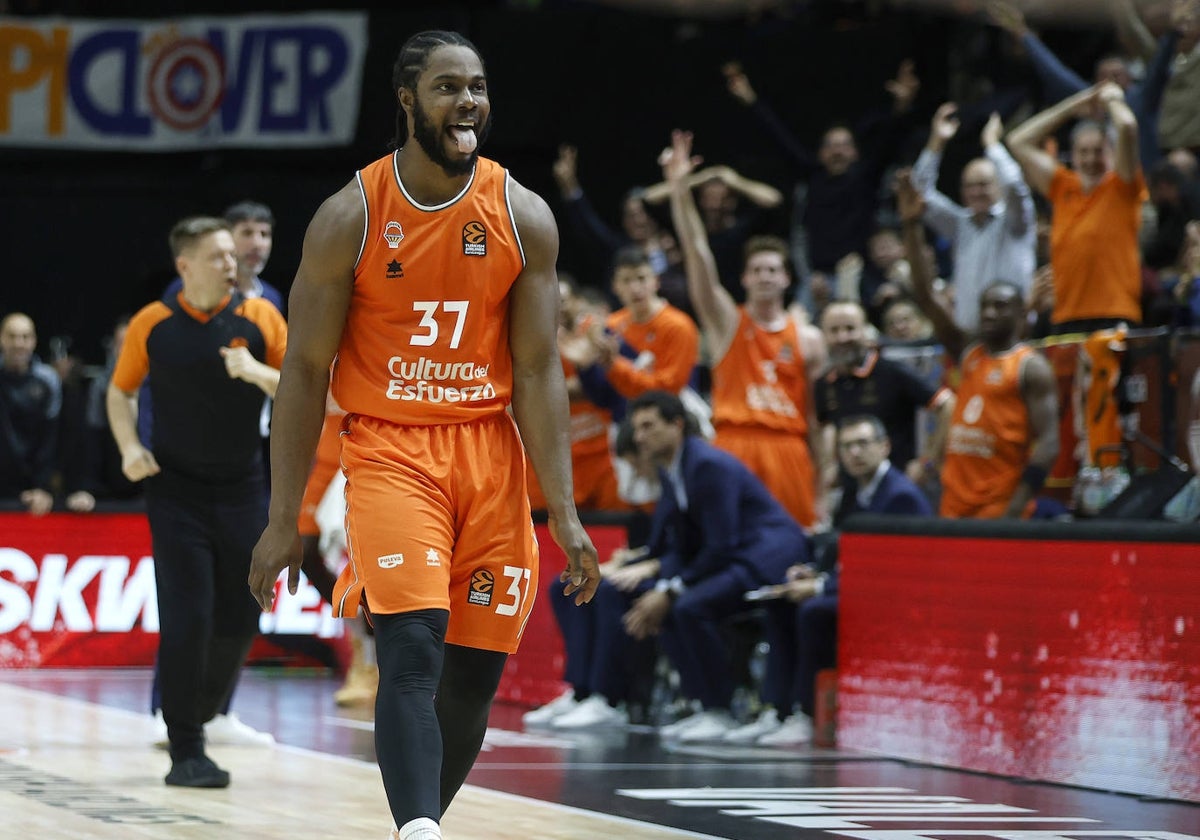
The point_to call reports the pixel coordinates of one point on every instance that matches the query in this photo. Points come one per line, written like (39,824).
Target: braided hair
(412,60)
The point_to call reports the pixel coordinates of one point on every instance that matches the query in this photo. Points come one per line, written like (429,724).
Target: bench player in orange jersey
(431,278)
(592,464)
(1003,436)
(763,360)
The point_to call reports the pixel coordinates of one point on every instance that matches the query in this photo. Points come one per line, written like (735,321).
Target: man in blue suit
(802,626)
(876,485)
(717,533)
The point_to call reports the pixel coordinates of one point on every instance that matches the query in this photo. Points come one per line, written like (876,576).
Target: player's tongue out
(465,138)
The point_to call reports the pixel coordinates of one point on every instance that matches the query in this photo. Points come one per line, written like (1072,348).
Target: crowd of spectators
(1076,213)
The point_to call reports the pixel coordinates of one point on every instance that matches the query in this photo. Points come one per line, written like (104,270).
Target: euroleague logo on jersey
(474,239)
(482,583)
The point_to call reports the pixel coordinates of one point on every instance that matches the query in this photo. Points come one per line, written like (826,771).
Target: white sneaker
(543,715)
(421,828)
(797,729)
(593,712)
(766,722)
(691,709)
(159,736)
(230,731)
(712,726)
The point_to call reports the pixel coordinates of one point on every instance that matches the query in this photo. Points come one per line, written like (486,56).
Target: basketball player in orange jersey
(1003,436)
(763,360)
(431,278)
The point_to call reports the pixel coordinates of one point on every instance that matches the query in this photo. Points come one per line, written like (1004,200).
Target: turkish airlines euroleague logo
(474,239)
(482,583)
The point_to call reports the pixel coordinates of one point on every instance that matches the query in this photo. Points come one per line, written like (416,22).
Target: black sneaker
(198,772)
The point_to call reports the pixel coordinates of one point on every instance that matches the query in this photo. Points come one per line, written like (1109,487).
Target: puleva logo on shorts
(390,561)
(393,233)
(474,239)
(482,582)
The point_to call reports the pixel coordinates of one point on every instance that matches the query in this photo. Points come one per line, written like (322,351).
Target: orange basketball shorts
(437,517)
(782,462)
(325,464)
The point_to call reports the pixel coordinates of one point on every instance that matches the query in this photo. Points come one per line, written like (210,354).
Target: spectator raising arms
(1097,209)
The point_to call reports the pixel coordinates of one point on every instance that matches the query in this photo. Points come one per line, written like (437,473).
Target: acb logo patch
(482,584)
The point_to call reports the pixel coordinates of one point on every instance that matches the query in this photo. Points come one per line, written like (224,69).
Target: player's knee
(409,648)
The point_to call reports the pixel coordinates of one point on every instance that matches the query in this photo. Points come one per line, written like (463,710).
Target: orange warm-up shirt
(668,346)
(593,475)
(1094,247)
(426,336)
(988,445)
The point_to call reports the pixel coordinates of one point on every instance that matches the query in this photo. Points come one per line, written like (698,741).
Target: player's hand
(278,548)
(582,575)
(676,160)
(138,463)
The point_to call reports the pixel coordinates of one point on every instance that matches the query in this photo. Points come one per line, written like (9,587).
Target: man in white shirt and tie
(994,236)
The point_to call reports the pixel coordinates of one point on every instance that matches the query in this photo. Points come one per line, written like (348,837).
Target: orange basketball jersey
(761,381)
(426,336)
(988,445)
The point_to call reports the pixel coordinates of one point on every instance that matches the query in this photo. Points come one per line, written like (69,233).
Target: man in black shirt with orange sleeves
(210,355)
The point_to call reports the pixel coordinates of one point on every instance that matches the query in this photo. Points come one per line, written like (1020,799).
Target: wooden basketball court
(76,761)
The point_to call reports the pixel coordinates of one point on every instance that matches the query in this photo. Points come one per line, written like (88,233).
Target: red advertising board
(1074,662)
(78,591)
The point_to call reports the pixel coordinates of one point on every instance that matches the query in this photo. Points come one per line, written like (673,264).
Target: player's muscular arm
(317,307)
(1041,402)
(539,399)
(714,306)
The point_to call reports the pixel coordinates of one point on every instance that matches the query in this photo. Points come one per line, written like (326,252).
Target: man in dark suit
(717,533)
(875,485)
(802,626)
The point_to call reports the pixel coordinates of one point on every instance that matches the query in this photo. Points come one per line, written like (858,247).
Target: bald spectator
(30,401)
(860,381)
(1097,209)
(993,233)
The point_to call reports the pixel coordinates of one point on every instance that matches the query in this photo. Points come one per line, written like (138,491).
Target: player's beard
(431,139)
